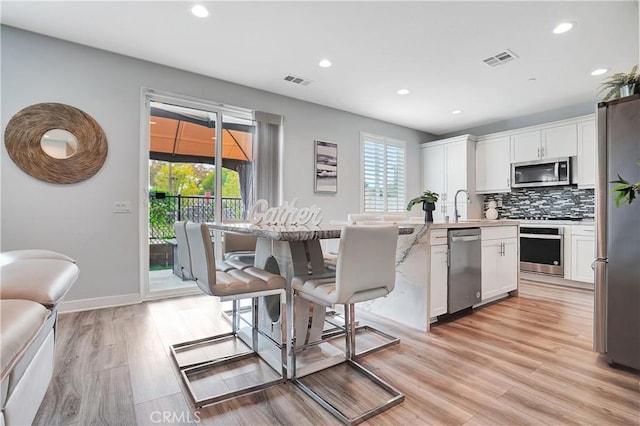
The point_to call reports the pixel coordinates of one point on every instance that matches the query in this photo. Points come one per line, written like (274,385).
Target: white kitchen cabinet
(434,170)
(438,277)
(447,166)
(493,165)
(582,253)
(586,163)
(560,141)
(546,143)
(500,260)
(526,146)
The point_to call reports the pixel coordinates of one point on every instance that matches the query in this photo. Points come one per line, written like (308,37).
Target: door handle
(467,238)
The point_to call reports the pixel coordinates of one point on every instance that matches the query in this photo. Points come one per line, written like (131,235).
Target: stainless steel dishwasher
(464,277)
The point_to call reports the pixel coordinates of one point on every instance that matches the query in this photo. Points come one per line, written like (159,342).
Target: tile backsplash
(550,203)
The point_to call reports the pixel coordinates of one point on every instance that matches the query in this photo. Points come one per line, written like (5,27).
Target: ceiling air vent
(500,58)
(298,80)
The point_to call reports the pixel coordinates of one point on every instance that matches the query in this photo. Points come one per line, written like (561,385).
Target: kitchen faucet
(455,202)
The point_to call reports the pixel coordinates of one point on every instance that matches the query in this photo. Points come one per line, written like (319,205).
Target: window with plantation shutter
(383,174)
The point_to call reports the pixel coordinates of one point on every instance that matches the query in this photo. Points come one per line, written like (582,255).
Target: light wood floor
(524,360)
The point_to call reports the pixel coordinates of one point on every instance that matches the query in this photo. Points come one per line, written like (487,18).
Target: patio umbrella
(185,135)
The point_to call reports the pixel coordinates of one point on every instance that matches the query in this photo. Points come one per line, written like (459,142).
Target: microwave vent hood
(540,173)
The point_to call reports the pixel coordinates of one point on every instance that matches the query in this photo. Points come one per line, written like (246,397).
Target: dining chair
(240,248)
(365,270)
(184,254)
(395,218)
(355,218)
(336,319)
(231,285)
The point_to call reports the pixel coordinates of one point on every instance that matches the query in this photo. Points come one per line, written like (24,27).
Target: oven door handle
(541,236)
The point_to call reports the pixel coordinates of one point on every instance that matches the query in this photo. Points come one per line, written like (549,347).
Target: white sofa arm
(45,281)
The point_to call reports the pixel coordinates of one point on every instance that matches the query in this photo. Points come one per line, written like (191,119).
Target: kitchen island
(420,294)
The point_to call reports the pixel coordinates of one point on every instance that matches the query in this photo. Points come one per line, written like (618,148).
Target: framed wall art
(326,165)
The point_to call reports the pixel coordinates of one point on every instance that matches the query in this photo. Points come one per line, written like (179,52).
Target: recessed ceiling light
(563,27)
(200,11)
(532,79)
(403,92)
(325,63)
(599,71)
(456,111)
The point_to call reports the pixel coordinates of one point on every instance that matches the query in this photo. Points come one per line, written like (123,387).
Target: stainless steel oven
(542,250)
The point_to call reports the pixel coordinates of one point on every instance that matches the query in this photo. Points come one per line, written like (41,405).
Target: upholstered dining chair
(355,218)
(184,254)
(240,248)
(395,218)
(231,285)
(365,270)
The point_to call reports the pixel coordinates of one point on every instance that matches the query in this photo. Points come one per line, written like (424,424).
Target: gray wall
(528,120)
(78,219)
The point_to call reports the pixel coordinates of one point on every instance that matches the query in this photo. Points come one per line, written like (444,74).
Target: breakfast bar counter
(421,271)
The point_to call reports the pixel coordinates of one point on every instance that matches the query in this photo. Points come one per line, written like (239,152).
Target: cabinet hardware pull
(542,152)
(538,156)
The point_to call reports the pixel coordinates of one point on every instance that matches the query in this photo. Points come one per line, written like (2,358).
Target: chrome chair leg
(339,329)
(350,353)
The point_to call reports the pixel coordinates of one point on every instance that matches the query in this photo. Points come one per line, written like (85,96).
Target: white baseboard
(555,280)
(99,303)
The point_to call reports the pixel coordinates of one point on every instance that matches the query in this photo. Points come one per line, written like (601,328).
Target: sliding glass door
(199,169)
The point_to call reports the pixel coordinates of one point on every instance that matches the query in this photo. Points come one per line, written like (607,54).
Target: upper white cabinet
(586,163)
(549,142)
(493,165)
(560,141)
(447,166)
(434,169)
(526,146)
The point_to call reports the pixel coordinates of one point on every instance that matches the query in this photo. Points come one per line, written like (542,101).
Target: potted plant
(428,200)
(620,84)
(626,191)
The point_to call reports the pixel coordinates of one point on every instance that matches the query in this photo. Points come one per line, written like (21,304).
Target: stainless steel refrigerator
(617,265)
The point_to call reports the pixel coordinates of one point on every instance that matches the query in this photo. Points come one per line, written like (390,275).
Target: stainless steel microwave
(552,172)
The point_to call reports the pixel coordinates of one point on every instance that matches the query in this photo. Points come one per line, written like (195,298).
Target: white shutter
(383,174)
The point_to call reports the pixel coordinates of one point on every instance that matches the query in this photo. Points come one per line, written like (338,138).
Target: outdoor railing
(164,210)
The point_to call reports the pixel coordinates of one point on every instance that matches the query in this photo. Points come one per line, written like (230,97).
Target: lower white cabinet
(438,278)
(500,261)
(582,253)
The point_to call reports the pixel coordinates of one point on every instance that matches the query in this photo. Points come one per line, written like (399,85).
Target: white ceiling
(435,49)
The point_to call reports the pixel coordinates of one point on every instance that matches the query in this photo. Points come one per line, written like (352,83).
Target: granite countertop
(586,222)
(293,233)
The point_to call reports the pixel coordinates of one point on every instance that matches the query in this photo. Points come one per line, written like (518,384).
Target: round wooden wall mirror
(56,143)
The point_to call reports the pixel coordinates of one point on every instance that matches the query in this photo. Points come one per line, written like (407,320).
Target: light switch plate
(122,207)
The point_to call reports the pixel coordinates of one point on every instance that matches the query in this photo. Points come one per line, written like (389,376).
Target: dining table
(294,250)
